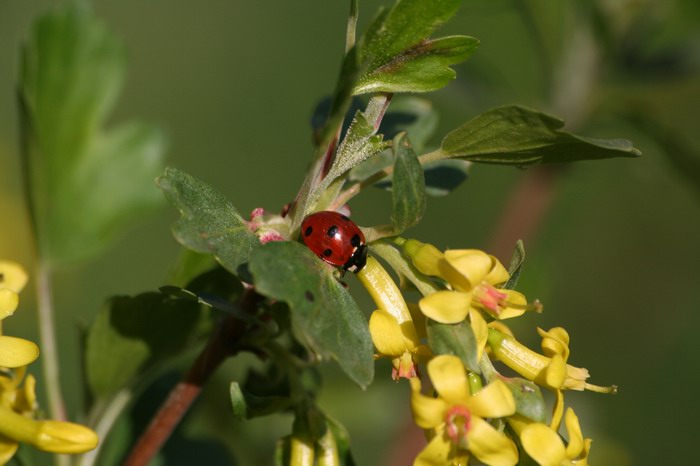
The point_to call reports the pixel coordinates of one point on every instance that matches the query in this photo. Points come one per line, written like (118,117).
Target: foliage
(270,296)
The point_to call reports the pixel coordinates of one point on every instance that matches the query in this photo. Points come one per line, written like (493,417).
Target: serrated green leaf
(397,55)
(423,68)
(324,315)
(516,264)
(519,136)
(456,339)
(132,334)
(86,184)
(360,143)
(408,190)
(209,223)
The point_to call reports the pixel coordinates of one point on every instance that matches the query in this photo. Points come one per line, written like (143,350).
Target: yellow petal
(64,437)
(386,334)
(508,311)
(471,265)
(555,374)
(494,400)
(17,352)
(491,446)
(557,411)
(12,276)
(428,412)
(436,453)
(543,445)
(8,447)
(498,274)
(576,443)
(555,341)
(25,402)
(8,303)
(481,331)
(446,307)
(449,378)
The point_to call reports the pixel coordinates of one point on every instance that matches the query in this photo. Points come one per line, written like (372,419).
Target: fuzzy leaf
(324,315)
(516,265)
(360,143)
(132,334)
(397,55)
(457,339)
(408,192)
(209,223)
(519,136)
(86,183)
(529,401)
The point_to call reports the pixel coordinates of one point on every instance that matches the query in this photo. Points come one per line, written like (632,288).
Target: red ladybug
(336,239)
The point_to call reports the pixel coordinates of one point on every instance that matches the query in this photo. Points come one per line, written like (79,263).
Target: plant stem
(352,26)
(106,415)
(49,349)
(223,343)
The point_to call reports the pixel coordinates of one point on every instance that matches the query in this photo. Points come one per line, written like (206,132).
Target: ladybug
(336,239)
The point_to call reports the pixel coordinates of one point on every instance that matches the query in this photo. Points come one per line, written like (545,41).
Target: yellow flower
(391,326)
(17,392)
(12,280)
(456,417)
(544,445)
(473,277)
(549,370)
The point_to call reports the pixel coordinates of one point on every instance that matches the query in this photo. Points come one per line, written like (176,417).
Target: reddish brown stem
(221,345)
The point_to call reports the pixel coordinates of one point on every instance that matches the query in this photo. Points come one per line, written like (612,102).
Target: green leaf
(408,191)
(360,143)
(132,334)
(324,315)
(342,440)
(529,401)
(86,184)
(209,223)
(456,339)
(413,115)
(248,406)
(520,136)
(397,55)
(516,265)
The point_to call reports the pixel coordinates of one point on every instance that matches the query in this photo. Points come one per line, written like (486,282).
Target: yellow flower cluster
(18,404)
(466,413)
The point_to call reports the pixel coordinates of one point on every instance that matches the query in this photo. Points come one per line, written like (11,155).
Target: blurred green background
(615,259)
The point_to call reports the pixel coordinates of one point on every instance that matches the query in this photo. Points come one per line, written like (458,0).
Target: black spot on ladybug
(308,231)
(309,296)
(327,253)
(344,217)
(332,231)
(355,240)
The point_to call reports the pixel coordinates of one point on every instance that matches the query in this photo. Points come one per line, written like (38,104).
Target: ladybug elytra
(336,239)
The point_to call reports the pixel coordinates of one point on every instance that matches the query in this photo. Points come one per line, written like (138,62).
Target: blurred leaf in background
(86,184)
